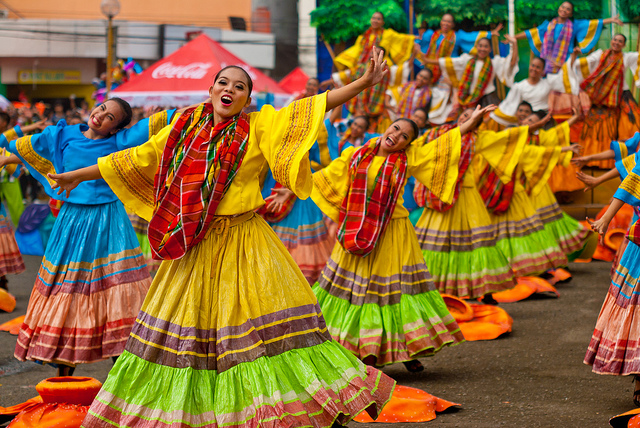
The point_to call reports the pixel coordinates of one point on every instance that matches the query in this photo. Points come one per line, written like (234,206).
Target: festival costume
(475,79)
(614,114)
(554,41)
(234,318)
(537,95)
(301,226)
(93,278)
(435,44)
(570,235)
(614,348)
(458,242)
(521,235)
(384,304)
(10,258)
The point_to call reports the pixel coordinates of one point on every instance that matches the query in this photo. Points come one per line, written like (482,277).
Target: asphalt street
(533,377)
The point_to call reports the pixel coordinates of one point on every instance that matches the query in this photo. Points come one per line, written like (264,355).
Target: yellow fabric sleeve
(537,163)
(502,150)
(558,136)
(331,184)
(348,58)
(398,46)
(436,163)
(285,137)
(130,173)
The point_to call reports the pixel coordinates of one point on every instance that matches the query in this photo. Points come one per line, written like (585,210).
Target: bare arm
(601,225)
(9,160)
(582,161)
(592,182)
(514,50)
(476,118)
(335,114)
(615,19)
(69,180)
(520,36)
(376,69)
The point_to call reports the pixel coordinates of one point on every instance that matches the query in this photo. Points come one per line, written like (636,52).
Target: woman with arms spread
(230,333)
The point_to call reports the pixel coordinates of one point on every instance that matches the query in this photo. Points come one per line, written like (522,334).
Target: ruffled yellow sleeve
(502,150)
(285,137)
(130,173)
(435,164)
(398,46)
(330,185)
(558,136)
(348,58)
(537,163)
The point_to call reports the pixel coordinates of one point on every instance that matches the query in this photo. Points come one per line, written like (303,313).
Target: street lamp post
(109,8)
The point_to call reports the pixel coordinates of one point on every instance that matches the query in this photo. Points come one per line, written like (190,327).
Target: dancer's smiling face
(483,48)
(397,137)
(358,127)
(105,119)
(423,78)
(446,22)
(565,11)
(377,20)
(536,68)
(230,93)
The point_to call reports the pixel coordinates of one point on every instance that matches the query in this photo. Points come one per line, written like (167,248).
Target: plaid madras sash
(407,95)
(555,52)
(604,85)
(198,164)
(436,51)
(495,194)
(466,98)
(275,217)
(363,216)
(370,100)
(420,191)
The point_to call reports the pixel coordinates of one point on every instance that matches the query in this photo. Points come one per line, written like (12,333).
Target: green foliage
(630,9)
(481,12)
(529,13)
(342,20)
(538,11)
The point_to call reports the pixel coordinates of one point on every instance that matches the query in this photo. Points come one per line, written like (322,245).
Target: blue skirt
(90,286)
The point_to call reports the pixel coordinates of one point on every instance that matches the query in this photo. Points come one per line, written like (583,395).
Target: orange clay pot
(51,415)
(7,301)
(69,389)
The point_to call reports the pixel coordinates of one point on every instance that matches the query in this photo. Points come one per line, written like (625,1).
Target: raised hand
(376,69)
(496,31)
(581,161)
(277,199)
(588,180)
(65,182)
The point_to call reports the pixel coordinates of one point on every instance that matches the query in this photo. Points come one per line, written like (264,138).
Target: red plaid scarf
(370,38)
(495,194)
(278,216)
(198,164)
(407,95)
(466,154)
(364,216)
(633,234)
(604,85)
(436,51)
(420,191)
(466,98)
(555,52)
(371,100)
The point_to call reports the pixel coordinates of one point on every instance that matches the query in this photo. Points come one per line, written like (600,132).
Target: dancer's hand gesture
(65,182)
(376,68)
(276,200)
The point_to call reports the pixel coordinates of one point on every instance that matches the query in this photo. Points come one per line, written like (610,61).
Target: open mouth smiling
(226,100)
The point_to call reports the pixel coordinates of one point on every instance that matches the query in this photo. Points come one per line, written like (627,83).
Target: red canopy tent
(184,77)
(295,81)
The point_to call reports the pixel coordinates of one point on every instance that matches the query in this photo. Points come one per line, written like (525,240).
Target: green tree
(480,12)
(630,9)
(531,13)
(342,20)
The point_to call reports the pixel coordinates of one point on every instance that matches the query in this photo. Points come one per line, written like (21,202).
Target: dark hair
(525,103)
(313,78)
(126,109)
(249,81)
(544,61)
(416,130)
(540,113)
(381,14)
(623,36)
(573,6)
(5,117)
(484,38)
(365,118)
(424,25)
(424,110)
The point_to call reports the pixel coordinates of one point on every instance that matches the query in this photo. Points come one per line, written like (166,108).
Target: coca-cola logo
(195,70)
